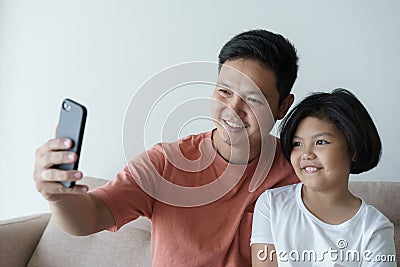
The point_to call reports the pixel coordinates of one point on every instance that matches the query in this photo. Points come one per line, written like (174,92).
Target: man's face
(245,103)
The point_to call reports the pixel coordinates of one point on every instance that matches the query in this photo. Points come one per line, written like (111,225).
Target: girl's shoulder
(282,191)
(373,217)
(280,195)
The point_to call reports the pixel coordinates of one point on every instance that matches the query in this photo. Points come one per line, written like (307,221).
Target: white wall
(100,52)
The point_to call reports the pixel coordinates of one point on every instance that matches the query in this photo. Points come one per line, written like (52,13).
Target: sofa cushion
(130,246)
(386,198)
(19,237)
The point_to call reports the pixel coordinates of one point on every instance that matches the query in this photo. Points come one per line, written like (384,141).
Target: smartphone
(71,124)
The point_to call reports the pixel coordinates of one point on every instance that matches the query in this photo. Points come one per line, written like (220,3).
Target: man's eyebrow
(224,84)
(255,91)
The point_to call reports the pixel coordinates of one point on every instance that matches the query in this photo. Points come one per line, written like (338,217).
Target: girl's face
(320,155)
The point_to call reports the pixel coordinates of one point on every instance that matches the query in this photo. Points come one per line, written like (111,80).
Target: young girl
(319,222)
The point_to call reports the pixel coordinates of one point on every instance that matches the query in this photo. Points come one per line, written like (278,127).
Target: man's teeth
(311,169)
(234,125)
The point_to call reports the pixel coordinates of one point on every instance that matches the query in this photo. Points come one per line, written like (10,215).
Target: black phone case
(71,124)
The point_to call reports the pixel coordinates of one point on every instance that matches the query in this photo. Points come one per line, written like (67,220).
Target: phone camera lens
(66,106)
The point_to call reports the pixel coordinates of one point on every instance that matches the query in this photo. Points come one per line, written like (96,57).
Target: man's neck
(241,155)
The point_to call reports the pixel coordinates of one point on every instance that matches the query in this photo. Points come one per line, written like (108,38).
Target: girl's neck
(335,196)
(332,207)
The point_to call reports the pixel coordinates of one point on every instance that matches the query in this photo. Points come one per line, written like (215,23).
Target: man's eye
(252,100)
(296,144)
(223,91)
(321,142)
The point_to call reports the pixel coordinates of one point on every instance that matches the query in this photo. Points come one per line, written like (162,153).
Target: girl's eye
(296,144)
(321,142)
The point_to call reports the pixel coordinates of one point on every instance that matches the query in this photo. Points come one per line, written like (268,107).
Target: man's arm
(76,211)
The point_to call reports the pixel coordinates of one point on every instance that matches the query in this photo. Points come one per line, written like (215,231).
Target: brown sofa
(37,241)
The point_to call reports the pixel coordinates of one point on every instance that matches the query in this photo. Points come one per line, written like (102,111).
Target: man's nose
(238,105)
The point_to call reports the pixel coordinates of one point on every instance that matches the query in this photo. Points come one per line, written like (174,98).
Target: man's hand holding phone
(56,171)
(56,163)
(47,178)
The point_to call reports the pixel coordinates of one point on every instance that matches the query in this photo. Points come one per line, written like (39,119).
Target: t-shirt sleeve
(380,250)
(261,229)
(129,195)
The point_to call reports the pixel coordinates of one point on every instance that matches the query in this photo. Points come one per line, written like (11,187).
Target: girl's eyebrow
(315,135)
(322,134)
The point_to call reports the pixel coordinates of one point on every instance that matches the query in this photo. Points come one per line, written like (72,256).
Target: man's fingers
(52,145)
(47,179)
(53,158)
(55,175)
(59,144)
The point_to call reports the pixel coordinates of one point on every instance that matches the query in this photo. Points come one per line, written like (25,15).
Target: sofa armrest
(19,237)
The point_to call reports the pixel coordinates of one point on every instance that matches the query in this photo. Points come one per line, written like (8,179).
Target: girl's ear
(284,106)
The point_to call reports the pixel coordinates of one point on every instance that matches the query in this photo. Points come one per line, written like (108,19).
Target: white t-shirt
(301,239)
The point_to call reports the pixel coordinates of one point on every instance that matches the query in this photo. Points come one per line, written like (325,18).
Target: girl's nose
(307,154)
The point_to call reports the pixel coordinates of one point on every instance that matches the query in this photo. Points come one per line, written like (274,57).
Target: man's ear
(284,106)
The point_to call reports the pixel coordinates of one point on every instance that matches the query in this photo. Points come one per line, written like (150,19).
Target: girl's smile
(320,155)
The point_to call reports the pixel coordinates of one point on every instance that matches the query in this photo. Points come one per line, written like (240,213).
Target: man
(257,71)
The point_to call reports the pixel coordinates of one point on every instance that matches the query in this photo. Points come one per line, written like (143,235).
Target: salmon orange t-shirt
(200,206)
